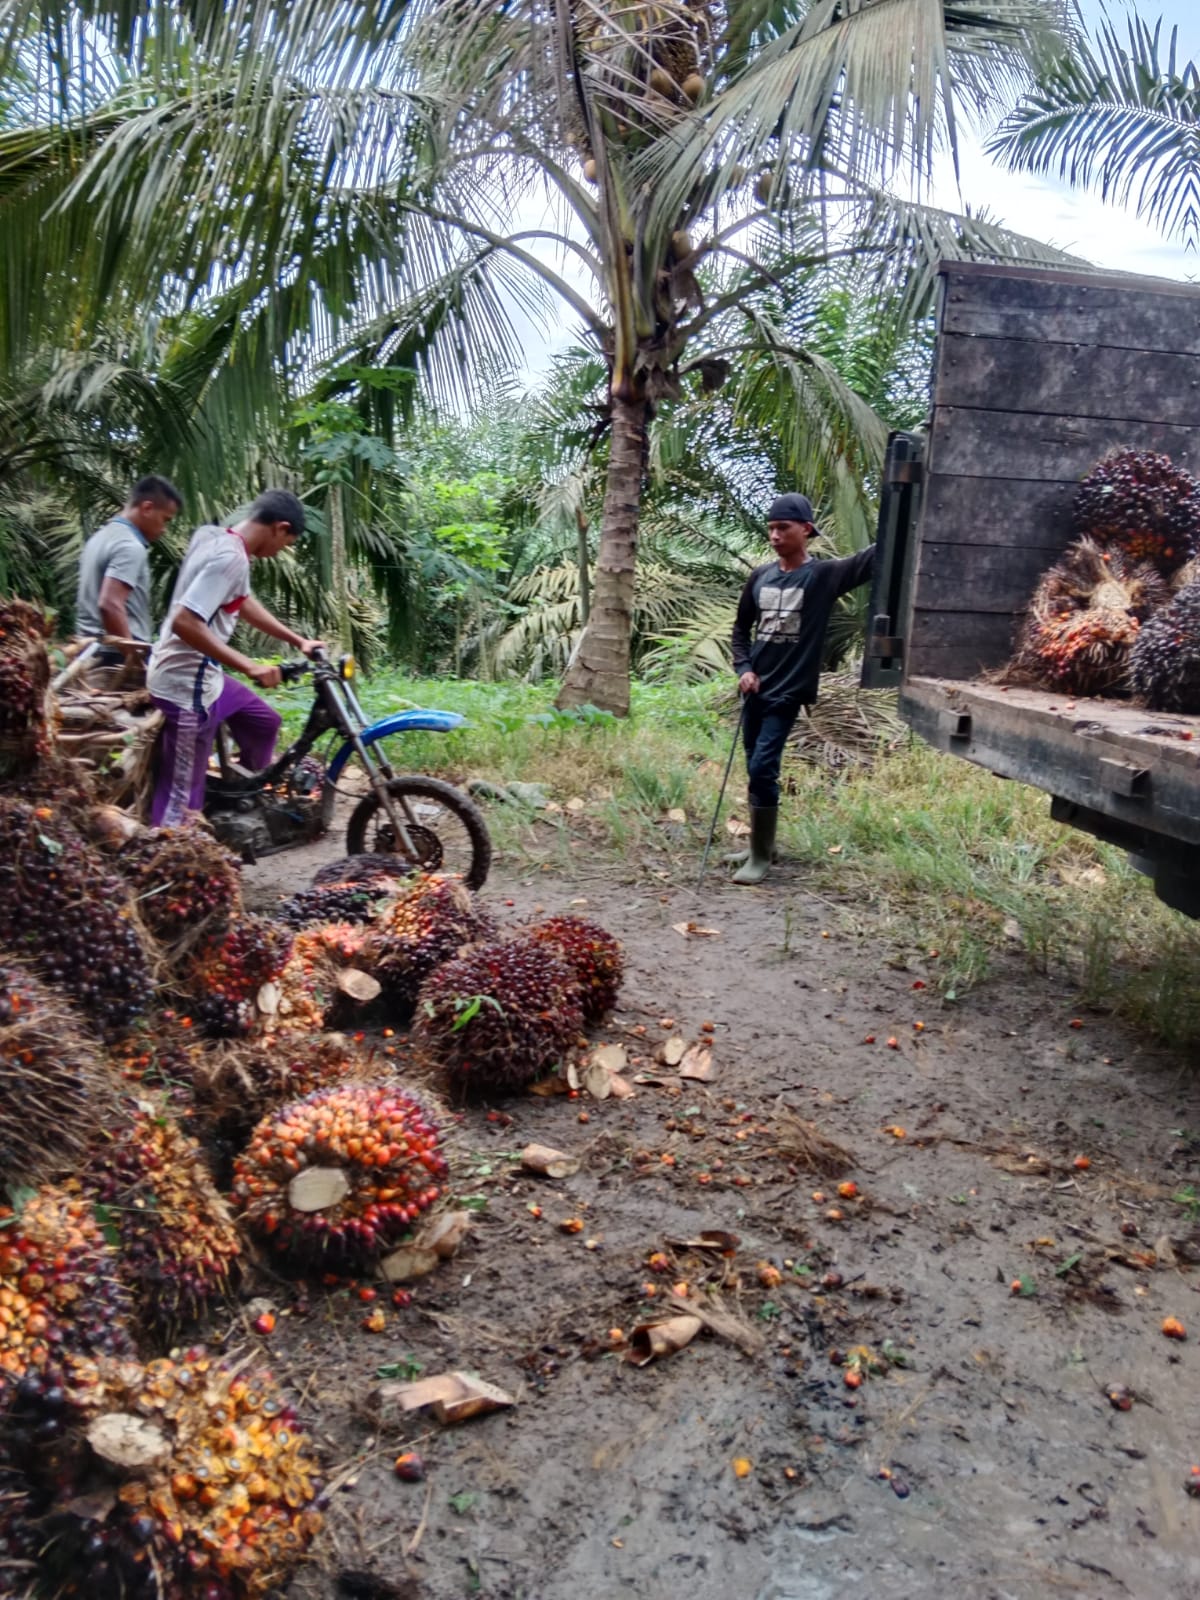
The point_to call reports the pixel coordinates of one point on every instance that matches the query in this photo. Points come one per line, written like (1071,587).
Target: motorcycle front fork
(397,808)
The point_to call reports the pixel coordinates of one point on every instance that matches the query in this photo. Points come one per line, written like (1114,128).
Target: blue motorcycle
(429,825)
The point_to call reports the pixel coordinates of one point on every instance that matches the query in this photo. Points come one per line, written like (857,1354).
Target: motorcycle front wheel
(449,835)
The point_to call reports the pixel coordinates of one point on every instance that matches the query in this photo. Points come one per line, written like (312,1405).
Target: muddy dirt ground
(986,1461)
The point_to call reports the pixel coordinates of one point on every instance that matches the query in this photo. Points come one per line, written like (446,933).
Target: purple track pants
(186,742)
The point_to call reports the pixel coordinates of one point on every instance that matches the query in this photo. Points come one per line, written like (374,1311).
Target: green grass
(937,853)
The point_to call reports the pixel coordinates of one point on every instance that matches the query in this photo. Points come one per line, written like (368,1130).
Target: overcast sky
(1106,235)
(1082,223)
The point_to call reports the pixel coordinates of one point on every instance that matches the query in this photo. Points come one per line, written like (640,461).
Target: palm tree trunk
(598,673)
(585,558)
(339,571)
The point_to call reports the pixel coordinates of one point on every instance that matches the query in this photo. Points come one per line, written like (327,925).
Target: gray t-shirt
(213,582)
(117,550)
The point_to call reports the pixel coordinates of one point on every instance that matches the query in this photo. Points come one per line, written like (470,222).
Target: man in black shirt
(786,603)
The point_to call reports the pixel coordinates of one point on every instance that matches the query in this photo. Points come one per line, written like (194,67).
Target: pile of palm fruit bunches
(1119,613)
(172,1092)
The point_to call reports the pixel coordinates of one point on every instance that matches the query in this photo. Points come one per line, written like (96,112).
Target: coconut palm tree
(661,151)
(1120,116)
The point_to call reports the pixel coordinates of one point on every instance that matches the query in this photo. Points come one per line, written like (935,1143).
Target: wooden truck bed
(1140,769)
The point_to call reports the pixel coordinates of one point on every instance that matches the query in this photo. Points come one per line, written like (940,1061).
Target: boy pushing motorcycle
(185,678)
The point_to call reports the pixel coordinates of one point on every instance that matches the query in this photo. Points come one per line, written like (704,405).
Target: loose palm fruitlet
(66,913)
(429,922)
(224,978)
(1164,668)
(1084,618)
(592,954)
(59,1286)
(52,1082)
(336,1178)
(24,680)
(177,1480)
(178,1243)
(500,1015)
(187,886)
(1142,503)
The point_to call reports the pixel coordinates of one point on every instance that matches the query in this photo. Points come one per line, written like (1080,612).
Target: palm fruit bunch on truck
(1164,667)
(1141,503)
(1084,620)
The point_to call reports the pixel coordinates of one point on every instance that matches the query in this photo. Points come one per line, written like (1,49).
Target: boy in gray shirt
(114,569)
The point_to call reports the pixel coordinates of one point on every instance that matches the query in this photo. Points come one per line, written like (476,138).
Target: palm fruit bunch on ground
(336,902)
(368,867)
(350,890)
(500,1015)
(1084,620)
(24,681)
(161,1055)
(429,923)
(1143,504)
(224,978)
(313,987)
(592,954)
(335,1179)
(1164,668)
(19,1540)
(177,1480)
(59,1286)
(186,885)
(178,1244)
(53,1084)
(239,1081)
(63,910)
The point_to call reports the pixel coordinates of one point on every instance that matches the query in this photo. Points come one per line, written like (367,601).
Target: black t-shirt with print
(788,613)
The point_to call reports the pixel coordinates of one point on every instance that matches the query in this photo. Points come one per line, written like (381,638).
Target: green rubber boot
(763,822)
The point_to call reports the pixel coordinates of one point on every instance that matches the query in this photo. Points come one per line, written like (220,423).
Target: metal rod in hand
(721,797)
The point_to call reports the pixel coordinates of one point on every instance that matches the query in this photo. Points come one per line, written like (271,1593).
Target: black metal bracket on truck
(1038,373)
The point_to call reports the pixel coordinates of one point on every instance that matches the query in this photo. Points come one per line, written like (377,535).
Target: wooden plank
(977,578)
(1032,514)
(957,644)
(1020,444)
(952,272)
(1071,311)
(1068,380)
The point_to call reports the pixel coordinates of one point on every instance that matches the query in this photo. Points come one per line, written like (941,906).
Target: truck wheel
(450,834)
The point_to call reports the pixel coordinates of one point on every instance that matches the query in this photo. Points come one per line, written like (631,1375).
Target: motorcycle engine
(245,832)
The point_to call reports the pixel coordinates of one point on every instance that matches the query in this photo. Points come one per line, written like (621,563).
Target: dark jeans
(764,733)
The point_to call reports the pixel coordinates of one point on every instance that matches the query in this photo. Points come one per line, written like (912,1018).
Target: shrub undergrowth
(940,853)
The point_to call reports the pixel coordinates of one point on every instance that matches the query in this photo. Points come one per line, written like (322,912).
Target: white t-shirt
(214,583)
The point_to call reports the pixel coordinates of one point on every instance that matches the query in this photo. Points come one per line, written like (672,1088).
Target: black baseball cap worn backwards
(792,508)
